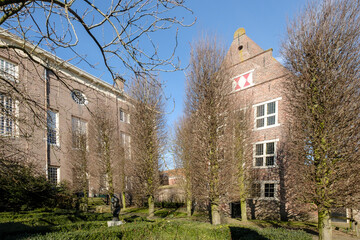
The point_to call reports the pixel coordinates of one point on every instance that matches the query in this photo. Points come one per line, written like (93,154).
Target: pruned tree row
(322,51)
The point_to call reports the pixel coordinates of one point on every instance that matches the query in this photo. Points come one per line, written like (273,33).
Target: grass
(167,224)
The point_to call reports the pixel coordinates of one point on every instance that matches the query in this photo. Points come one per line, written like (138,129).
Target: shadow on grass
(11,230)
(165,212)
(136,218)
(306,227)
(239,233)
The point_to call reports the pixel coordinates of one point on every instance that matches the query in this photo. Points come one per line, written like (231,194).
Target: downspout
(47,103)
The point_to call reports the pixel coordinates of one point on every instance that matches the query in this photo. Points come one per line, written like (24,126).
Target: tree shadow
(308,228)
(245,233)
(11,230)
(165,212)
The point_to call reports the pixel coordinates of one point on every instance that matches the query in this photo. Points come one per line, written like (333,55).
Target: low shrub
(21,189)
(67,224)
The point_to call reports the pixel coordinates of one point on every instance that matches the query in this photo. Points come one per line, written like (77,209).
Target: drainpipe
(47,103)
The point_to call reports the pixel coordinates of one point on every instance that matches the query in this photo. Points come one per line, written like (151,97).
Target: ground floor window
(269,191)
(264,190)
(53,174)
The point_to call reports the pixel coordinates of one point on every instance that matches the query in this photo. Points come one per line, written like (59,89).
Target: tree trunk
(151,206)
(123,199)
(243,209)
(85,202)
(215,215)
(188,207)
(324,225)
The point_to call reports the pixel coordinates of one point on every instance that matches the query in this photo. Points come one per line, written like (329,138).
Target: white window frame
(262,190)
(8,75)
(124,116)
(128,118)
(13,118)
(57,174)
(275,141)
(56,128)
(265,116)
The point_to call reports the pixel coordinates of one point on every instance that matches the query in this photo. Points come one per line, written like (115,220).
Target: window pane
(51,127)
(270,161)
(2,124)
(260,111)
(51,119)
(269,190)
(6,115)
(9,126)
(51,136)
(270,120)
(270,148)
(259,162)
(8,69)
(82,127)
(259,149)
(52,175)
(271,108)
(122,115)
(260,123)
(79,133)
(74,123)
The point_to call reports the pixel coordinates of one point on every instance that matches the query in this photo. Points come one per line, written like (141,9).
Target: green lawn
(168,224)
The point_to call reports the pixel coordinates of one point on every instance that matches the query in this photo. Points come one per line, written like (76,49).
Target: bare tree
(80,160)
(322,52)
(240,126)
(207,105)
(147,139)
(121,31)
(182,150)
(109,153)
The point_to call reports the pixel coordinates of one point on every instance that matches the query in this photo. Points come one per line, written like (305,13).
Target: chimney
(119,81)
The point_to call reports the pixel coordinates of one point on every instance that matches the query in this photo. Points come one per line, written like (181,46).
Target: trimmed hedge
(61,224)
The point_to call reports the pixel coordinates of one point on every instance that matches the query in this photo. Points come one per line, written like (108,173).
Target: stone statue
(115,207)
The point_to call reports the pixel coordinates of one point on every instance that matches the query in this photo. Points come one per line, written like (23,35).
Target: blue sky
(264,22)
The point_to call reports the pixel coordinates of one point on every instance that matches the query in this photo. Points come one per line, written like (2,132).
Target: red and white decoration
(243,81)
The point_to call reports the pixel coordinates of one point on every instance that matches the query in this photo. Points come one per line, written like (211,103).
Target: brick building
(65,98)
(257,86)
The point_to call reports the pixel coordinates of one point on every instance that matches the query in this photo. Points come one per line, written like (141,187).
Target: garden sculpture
(115,206)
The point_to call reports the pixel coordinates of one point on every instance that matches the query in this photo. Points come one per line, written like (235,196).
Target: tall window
(52,127)
(124,117)
(8,70)
(53,174)
(266,114)
(79,133)
(264,154)
(7,116)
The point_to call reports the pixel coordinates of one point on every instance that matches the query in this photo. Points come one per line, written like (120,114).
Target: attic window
(240,47)
(78,97)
